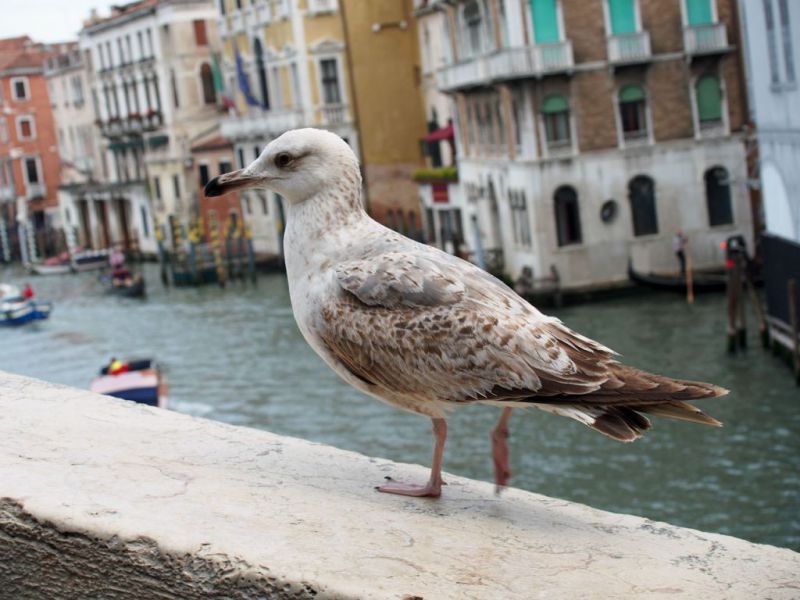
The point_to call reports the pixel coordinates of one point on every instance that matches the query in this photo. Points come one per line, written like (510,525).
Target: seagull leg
(500,454)
(434,486)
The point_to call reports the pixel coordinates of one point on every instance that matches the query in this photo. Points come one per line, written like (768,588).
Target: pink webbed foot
(500,452)
(432,489)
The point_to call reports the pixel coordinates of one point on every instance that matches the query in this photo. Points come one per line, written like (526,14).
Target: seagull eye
(283,159)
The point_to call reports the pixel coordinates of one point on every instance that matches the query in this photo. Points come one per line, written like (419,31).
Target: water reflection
(236,356)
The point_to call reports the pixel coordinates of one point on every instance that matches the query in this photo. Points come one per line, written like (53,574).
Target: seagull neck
(326,212)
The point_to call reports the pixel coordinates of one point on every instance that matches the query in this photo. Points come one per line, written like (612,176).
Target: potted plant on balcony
(436,175)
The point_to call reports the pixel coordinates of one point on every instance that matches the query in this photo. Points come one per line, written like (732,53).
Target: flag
(244,82)
(219,85)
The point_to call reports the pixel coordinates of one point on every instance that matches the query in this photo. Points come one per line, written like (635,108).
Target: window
(128,49)
(263,198)
(709,101)
(26,129)
(555,112)
(247,207)
(207,79)
(786,34)
(204,177)
(225,167)
(698,12)
(632,114)
(157,188)
(568,218)
(3,131)
(240,155)
(330,81)
(261,73)
(222,7)
(771,42)
(718,197)
(31,170)
(174,83)
(473,26)
(519,210)
(642,196)
(622,16)
(145,222)
(545,21)
(120,51)
(140,44)
(149,35)
(19,88)
(200,37)
(176,186)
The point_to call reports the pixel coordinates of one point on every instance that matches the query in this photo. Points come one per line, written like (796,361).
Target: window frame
(723,127)
(707,174)
(640,232)
(322,81)
(30,118)
(39,174)
(560,146)
(560,231)
(25,83)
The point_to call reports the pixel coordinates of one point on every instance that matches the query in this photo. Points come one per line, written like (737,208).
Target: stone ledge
(104,498)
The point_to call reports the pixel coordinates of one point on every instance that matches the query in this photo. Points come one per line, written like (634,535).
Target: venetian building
(29,163)
(590,131)
(348,66)
(153,92)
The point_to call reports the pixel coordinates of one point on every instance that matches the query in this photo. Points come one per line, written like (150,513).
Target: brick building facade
(29,161)
(591,131)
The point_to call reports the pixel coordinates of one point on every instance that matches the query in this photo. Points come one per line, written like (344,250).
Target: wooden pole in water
(689,280)
(757,308)
(162,259)
(734,293)
(793,321)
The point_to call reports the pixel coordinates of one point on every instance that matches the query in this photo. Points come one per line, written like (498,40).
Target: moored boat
(140,381)
(18,311)
(701,282)
(132,288)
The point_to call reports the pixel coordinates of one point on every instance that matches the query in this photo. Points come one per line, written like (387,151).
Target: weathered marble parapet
(102,498)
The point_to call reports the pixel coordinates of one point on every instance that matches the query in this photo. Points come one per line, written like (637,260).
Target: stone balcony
(629,48)
(259,124)
(507,64)
(700,40)
(133,124)
(103,498)
(8,193)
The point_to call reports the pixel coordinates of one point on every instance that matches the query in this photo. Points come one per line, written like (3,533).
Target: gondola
(701,282)
(136,289)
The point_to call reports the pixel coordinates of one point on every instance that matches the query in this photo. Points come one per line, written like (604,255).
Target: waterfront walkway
(103,498)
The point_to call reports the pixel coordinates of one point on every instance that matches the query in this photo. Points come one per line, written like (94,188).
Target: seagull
(428,332)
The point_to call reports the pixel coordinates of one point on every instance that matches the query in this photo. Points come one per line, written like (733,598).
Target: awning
(444,133)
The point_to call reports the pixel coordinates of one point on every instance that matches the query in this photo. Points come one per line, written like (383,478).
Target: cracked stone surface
(102,498)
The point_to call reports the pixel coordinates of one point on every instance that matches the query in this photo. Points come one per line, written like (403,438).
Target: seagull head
(297,165)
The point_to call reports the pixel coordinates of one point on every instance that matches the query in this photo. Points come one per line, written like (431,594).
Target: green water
(236,356)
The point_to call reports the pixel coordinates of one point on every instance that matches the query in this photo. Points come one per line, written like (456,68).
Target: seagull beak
(230,182)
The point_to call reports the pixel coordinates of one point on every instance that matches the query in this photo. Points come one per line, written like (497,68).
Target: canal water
(237,356)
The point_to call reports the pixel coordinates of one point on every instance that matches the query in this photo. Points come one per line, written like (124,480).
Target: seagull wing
(419,324)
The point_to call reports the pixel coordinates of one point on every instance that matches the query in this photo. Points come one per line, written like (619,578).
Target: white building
(153,94)
(772,49)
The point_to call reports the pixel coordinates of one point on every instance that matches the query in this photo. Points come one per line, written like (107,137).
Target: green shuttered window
(709,99)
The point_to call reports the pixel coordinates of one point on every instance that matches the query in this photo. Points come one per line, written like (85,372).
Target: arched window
(207,79)
(709,101)
(718,196)
(474,30)
(568,217)
(261,73)
(632,115)
(642,196)
(555,112)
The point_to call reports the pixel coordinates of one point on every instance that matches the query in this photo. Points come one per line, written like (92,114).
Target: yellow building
(350,66)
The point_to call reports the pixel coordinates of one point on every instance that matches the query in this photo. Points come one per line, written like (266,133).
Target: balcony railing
(261,14)
(629,48)
(8,193)
(705,39)
(132,124)
(34,190)
(508,63)
(260,124)
(334,114)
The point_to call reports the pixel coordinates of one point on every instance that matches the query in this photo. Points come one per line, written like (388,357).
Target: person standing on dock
(679,246)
